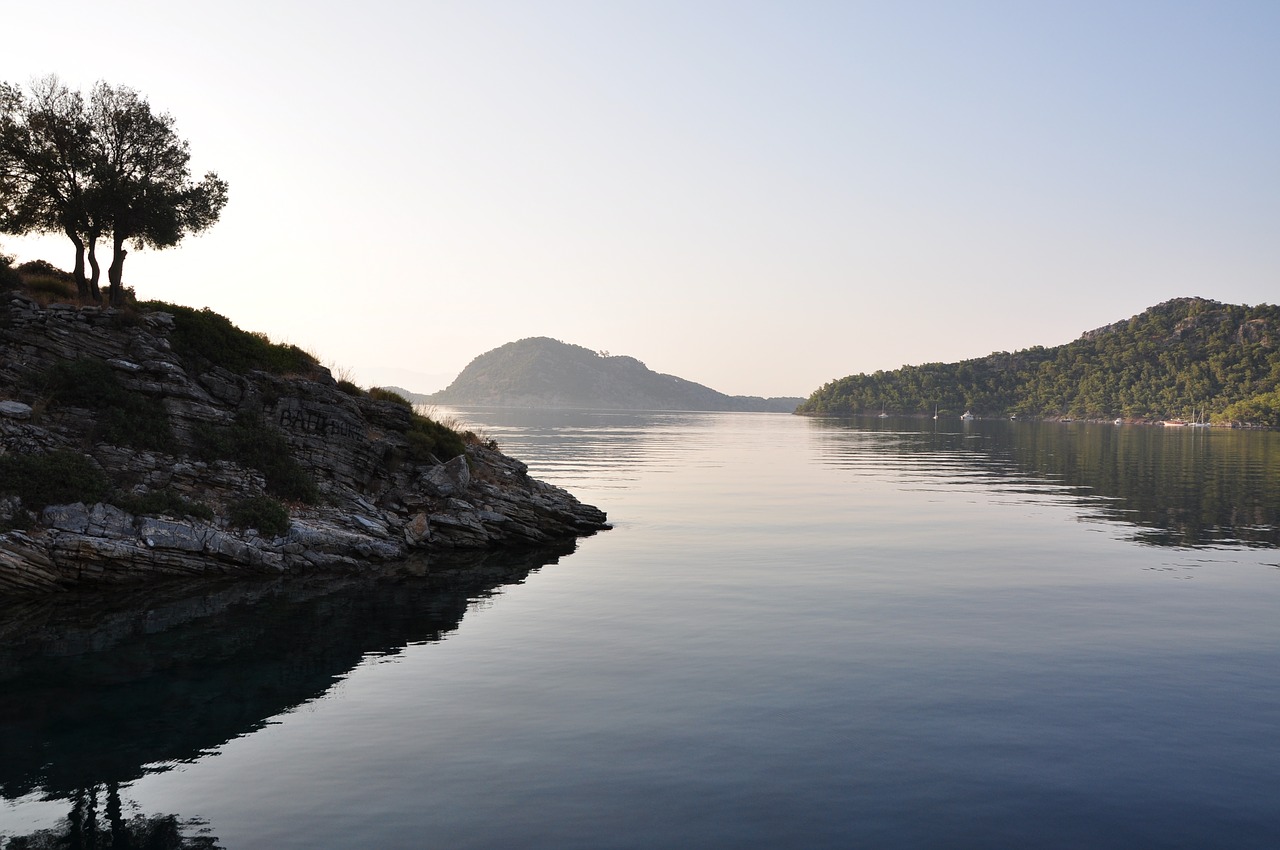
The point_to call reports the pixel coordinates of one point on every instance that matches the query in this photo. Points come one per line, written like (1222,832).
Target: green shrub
(207,338)
(162,503)
(252,443)
(349,388)
(44,268)
(428,438)
(125,418)
(56,478)
(9,277)
(264,513)
(381,394)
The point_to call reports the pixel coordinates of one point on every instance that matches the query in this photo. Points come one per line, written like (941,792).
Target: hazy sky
(758,196)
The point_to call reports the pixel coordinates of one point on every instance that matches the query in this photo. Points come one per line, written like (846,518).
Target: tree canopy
(111,166)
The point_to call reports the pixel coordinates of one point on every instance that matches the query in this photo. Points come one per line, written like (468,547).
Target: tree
(114,167)
(144,178)
(46,159)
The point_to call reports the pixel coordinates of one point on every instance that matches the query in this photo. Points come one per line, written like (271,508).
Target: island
(540,372)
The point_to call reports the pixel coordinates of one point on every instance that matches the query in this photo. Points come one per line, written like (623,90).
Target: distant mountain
(1189,357)
(542,372)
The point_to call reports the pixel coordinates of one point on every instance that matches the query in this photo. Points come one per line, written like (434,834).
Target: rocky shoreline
(376,505)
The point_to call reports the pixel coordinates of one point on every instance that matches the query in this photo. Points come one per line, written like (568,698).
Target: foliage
(264,513)
(109,166)
(47,160)
(143,177)
(1262,409)
(124,417)
(205,338)
(56,478)
(1178,359)
(9,277)
(383,394)
(250,442)
(429,439)
(49,288)
(162,503)
(349,388)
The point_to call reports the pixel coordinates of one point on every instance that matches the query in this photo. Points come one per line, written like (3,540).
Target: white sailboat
(966,417)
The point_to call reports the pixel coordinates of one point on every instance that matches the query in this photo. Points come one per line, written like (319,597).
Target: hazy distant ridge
(543,372)
(1189,357)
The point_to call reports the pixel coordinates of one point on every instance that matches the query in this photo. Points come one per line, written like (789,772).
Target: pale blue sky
(758,196)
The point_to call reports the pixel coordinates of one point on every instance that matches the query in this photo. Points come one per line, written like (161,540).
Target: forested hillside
(1184,358)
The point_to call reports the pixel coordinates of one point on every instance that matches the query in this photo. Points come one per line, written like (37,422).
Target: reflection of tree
(94,688)
(84,829)
(1182,487)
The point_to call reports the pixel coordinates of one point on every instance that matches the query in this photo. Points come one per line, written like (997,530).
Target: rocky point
(375,504)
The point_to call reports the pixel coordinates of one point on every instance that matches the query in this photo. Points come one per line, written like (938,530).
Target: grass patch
(264,513)
(206,338)
(48,289)
(429,440)
(252,443)
(125,418)
(349,388)
(380,394)
(57,478)
(162,503)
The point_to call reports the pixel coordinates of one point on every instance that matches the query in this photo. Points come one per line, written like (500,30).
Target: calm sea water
(800,633)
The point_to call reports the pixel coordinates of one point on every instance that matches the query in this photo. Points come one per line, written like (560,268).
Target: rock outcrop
(376,502)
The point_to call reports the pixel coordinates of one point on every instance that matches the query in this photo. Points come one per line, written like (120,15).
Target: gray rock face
(375,505)
(15,410)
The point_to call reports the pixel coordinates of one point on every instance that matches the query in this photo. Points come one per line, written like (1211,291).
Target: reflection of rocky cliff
(541,372)
(92,688)
(1178,488)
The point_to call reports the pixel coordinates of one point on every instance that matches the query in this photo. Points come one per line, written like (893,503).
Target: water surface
(810,633)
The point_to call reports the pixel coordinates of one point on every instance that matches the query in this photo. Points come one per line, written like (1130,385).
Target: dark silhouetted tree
(143,176)
(47,156)
(113,166)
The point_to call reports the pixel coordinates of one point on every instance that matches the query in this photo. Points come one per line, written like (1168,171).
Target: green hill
(1179,359)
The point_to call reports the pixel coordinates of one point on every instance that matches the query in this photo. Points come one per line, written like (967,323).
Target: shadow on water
(1183,487)
(97,690)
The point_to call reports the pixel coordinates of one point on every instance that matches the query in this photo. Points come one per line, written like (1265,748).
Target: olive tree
(145,193)
(111,166)
(47,156)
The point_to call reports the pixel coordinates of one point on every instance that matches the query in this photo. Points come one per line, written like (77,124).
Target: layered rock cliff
(373,493)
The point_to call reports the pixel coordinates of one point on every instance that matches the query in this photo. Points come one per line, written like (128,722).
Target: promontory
(158,440)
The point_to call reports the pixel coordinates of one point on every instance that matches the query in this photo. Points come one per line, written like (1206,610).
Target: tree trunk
(95,269)
(82,285)
(115,272)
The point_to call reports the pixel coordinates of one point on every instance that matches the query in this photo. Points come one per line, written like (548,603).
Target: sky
(758,196)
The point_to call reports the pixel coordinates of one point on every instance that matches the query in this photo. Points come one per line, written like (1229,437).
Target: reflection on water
(800,633)
(98,821)
(98,689)
(1177,487)
(606,448)
(1180,487)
